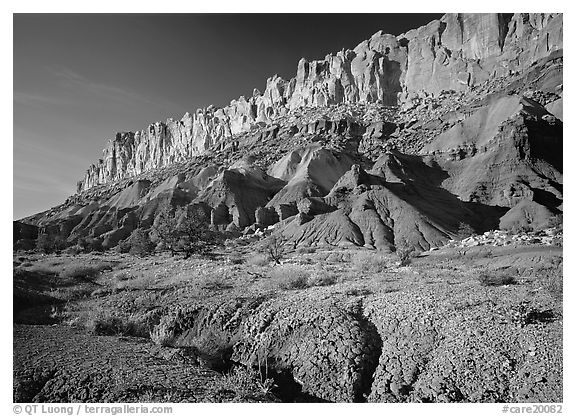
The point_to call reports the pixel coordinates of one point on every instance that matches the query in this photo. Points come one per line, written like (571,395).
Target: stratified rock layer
(456,52)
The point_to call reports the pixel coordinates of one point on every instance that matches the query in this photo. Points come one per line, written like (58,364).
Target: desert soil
(356,327)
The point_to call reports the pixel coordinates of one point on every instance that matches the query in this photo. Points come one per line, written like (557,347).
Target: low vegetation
(186,231)
(103,322)
(83,271)
(274,248)
(370,261)
(496,278)
(553,284)
(258,259)
(290,276)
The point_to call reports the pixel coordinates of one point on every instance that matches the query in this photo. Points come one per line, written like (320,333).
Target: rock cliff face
(456,52)
(473,141)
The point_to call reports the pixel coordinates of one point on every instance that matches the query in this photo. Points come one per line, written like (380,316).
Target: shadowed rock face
(454,53)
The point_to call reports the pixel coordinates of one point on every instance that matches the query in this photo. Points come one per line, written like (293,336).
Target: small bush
(124,246)
(290,277)
(216,283)
(73,250)
(100,292)
(405,254)
(322,279)
(258,260)
(89,244)
(274,248)
(464,231)
(236,259)
(305,250)
(79,271)
(214,348)
(496,279)
(140,243)
(373,262)
(247,383)
(122,276)
(554,285)
(141,282)
(107,323)
(88,271)
(48,243)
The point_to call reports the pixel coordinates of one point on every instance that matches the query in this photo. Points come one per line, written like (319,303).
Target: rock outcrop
(456,52)
(326,160)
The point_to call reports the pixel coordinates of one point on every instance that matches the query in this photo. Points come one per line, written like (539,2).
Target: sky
(80,78)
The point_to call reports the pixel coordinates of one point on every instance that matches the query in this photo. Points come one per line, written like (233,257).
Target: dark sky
(79,78)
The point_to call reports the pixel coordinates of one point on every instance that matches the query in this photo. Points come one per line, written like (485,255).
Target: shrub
(258,260)
(322,279)
(73,250)
(185,230)
(501,278)
(88,271)
(216,283)
(305,250)
(89,244)
(74,271)
(553,285)
(274,247)
(124,246)
(122,276)
(140,243)
(49,243)
(405,253)
(246,383)
(464,231)
(142,282)
(290,277)
(367,261)
(236,259)
(214,348)
(109,323)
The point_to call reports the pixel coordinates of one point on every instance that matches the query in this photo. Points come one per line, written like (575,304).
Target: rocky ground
(464,323)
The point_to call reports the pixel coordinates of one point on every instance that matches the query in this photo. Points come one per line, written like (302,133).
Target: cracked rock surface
(63,364)
(461,347)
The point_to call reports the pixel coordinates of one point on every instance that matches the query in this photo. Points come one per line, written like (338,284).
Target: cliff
(456,52)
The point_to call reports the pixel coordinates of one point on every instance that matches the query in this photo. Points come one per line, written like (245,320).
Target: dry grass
(553,284)
(322,278)
(258,259)
(298,276)
(216,283)
(290,276)
(134,282)
(305,250)
(102,322)
(496,278)
(75,271)
(245,382)
(370,261)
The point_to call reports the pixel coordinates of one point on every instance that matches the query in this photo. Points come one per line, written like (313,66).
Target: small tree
(405,252)
(185,231)
(89,244)
(194,234)
(50,243)
(140,244)
(464,231)
(274,248)
(165,228)
(45,243)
